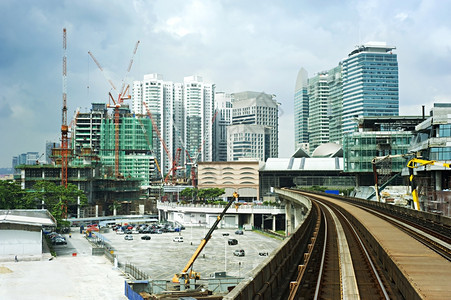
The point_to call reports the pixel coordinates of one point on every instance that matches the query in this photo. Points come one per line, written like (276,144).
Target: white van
(178,239)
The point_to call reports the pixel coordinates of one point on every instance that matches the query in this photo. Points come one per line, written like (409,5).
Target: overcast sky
(238,45)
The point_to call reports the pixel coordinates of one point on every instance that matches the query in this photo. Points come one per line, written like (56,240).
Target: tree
(56,197)
(13,197)
(211,193)
(187,192)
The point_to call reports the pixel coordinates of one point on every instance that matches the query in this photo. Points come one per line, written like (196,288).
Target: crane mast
(64,127)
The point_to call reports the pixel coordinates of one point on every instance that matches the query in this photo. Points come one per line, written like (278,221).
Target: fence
(135,272)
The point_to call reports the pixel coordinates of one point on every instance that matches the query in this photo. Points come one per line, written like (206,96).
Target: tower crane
(174,167)
(116,104)
(196,157)
(155,128)
(64,127)
(150,146)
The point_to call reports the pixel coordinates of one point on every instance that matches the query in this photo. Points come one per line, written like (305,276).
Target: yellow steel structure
(185,275)
(416,163)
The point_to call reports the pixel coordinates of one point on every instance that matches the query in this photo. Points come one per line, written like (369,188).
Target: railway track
(353,249)
(339,265)
(436,241)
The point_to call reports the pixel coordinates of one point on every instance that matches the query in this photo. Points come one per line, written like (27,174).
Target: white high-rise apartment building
(318,120)
(153,95)
(301,111)
(199,112)
(183,114)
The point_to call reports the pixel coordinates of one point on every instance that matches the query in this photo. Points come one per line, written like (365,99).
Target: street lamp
(225,255)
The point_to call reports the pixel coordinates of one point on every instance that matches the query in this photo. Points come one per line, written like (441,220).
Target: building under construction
(378,137)
(95,130)
(92,162)
(431,141)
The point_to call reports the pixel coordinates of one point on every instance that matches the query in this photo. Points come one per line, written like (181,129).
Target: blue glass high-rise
(370,84)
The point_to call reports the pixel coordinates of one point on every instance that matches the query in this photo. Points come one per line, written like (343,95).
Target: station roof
(35,217)
(304,164)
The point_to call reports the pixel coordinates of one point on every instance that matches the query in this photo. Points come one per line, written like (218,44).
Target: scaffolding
(136,159)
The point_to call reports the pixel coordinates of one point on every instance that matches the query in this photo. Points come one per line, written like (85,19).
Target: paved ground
(161,258)
(65,277)
(93,277)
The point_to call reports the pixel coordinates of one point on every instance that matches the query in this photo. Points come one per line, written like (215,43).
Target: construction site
(108,152)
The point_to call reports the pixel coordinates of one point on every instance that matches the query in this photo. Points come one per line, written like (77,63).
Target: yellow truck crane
(184,274)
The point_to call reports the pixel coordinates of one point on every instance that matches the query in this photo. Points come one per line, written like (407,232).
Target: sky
(239,45)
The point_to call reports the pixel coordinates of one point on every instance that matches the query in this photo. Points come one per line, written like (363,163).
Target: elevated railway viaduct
(351,248)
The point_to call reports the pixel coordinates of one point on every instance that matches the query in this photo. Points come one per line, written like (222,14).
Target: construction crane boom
(129,68)
(155,128)
(101,69)
(116,105)
(195,275)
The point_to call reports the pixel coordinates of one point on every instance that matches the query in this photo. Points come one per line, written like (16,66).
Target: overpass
(351,248)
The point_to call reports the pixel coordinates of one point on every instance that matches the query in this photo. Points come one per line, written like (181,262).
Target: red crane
(64,127)
(122,95)
(155,128)
(174,168)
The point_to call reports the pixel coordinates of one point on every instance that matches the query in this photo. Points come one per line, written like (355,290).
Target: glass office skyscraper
(370,84)
(301,110)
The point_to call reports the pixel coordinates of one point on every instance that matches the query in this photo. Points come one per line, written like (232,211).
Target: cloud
(5,109)
(238,45)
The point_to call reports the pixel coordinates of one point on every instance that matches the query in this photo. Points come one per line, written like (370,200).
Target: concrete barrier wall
(422,215)
(272,277)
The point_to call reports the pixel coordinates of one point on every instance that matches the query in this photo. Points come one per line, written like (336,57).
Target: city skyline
(252,46)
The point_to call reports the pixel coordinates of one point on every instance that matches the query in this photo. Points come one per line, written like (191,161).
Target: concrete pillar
(298,216)
(97,211)
(438,180)
(288,228)
(274,223)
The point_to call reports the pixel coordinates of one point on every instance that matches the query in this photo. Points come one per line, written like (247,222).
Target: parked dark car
(233,242)
(145,237)
(59,241)
(263,253)
(239,232)
(225,234)
(238,252)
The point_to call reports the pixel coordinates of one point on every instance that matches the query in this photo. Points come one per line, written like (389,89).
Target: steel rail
(417,232)
(367,255)
(318,282)
(372,267)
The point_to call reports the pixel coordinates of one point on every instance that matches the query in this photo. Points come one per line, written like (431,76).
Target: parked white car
(178,239)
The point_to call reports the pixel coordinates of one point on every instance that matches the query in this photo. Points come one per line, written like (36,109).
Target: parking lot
(161,257)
